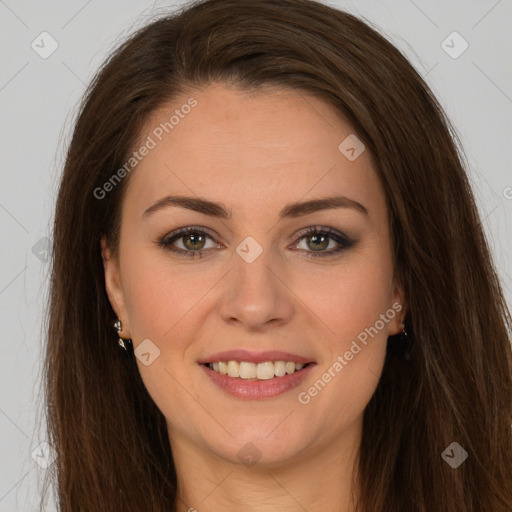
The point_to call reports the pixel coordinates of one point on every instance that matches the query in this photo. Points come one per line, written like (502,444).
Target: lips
(255,389)
(244,383)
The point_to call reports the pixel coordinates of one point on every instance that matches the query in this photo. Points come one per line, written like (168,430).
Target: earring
(404,342)
(121,341)
(398,344)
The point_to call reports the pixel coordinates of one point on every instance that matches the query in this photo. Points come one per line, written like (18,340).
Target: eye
(316,240)
(191,242)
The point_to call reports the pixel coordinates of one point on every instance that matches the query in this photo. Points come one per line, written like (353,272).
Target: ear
(113,287)
(399,304)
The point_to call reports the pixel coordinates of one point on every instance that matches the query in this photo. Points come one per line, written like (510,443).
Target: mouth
(250,375)
(249,371)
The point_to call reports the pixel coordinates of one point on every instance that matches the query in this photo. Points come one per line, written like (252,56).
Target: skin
(255,152)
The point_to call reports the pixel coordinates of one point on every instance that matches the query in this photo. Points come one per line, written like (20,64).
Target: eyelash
(343,241)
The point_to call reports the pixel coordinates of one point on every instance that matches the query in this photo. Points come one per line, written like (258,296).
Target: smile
(261,371)
(255,388)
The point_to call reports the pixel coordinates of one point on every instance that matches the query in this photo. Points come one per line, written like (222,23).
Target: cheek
(352,310)
(350,298)
(157,296)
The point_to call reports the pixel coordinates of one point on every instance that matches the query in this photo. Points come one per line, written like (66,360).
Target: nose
(256,295)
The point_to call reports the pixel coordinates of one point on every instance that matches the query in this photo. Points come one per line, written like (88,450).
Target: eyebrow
(214,209)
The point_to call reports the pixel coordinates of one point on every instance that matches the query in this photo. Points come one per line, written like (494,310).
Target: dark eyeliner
(343,241)
(167,241)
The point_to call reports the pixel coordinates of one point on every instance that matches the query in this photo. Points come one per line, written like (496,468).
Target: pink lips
(255,389)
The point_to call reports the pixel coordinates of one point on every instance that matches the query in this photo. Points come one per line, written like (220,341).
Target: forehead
(247,147)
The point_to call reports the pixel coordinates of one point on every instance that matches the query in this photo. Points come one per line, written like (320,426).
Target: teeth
(262,371)
(265,371)
(280,368)
(233,369)
(223,368)
(247,370)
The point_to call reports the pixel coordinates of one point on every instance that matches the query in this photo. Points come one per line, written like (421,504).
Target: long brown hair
(111,439)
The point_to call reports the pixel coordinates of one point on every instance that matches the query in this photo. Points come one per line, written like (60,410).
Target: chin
(252,446)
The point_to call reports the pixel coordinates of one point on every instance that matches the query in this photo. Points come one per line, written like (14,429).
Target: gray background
(38,99)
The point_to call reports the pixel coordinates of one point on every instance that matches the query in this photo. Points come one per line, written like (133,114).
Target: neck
(320,477)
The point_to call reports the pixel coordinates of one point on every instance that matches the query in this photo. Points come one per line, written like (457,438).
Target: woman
(271,289)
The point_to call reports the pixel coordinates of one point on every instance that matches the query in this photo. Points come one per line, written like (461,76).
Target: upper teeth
(263,371)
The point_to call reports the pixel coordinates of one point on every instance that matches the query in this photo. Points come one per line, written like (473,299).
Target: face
(255,260)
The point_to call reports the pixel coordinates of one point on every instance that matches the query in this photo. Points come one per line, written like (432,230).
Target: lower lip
(253,389)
